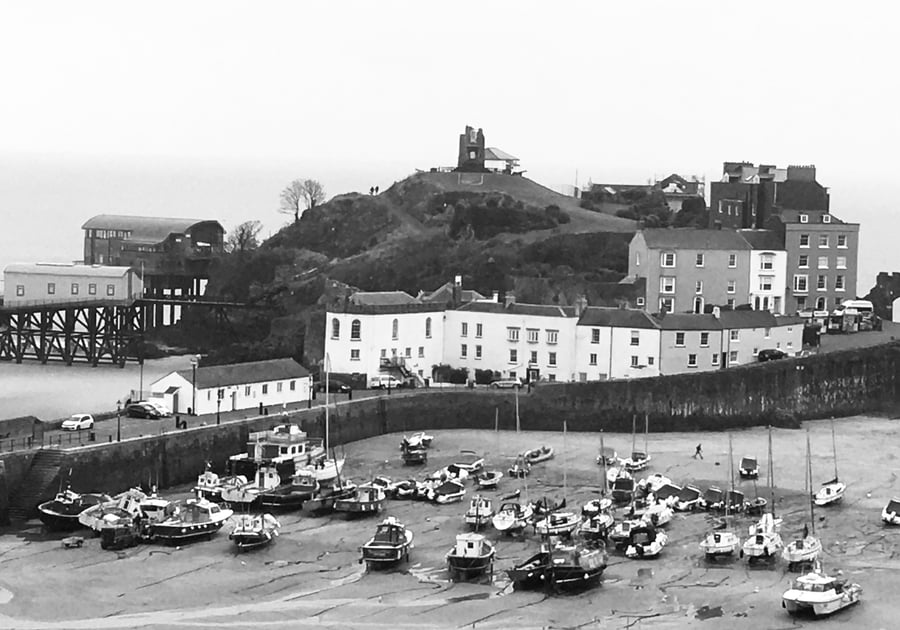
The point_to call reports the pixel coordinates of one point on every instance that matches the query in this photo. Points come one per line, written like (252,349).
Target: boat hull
(251,540)
(466,568)
(56,521)
(351,506)
(532,573)
(820,608)
(185,532)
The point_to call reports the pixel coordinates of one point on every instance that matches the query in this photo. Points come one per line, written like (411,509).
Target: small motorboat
(290,496)
(668,494)
(416,440)
(802,551)
(764,542)
(480,512)
(512,517)
(124,506)
(638,461)
(623,489)
(658,514)
(615,472)
(597,526)
(469,461)
(520,468)
(557,524)
(735,501)
(720,542)
(489,479)
(533,572)
(471,557)
(254,530)
(189,520)
(596,506)
(546,505)
(890,515)
(749,468)
(654,482)
(688,499)
(414,456)
(210,485)
(449,472)
(450,491)
(609,454)
(406,489)
(366,500)
(390,544)
(713,499)
(248,495)
(325,471)
(620,534)
(538,455)
(756,506)
(645,541)
(62,512)
(574,566)
(323,500)
(819,594)
(831,492)
(385,483)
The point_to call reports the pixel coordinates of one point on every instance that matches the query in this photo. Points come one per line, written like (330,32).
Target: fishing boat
(623,489)
(891,512)
(416,440)
(124,506)
(286,448)
(246,496)
(620,534)
(489,479)
(597,526)
(189,520)
(538,455)
(688,499)
(645,541)
(290,496)
(414,456)
(512,517)
(210,485)
(831,491)
(62,512)
(471,557)
(722,541)
(450,491)
(713,499)
(254,530)
(545,505)
(764,541)
(520,468)
(323,500)
(575,566)
(557,524)
(480,512)
(748,468)
(596,506)
(820,594)
(533,572)
(390,544)
(806,549)
(366,500)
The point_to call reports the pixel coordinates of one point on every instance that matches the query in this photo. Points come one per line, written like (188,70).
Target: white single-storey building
(234,386)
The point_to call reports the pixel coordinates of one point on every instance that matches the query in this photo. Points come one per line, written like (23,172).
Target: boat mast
(834,449)
(646,435)
(565,468)
(603,458)
(730,480)
(633,431)
(771,475)
(809,493)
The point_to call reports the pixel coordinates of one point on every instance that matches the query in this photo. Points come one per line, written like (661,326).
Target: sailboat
(596,513)
(831,491)
(559,522)
(722,542)
(639,460)
(806,549)
(765,542)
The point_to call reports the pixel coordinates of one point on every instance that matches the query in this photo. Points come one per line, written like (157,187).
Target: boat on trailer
(471,557)
(390,544)
(254,530)
(820,594)
(417,440)
(414,456)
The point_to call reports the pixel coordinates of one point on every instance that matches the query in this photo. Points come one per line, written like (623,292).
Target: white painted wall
(779,279)
(235,397)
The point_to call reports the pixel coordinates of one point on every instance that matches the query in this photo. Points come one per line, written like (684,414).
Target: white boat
(891,512)
(596,506)
(638,461)
(831,491)
(325,471)
(489,479)
(124,506)
(254,530)
(597,526)
(688,499)
(807,548)
(480,512)
(416,440)
(267,478)
(654,482)
(512,517)
(645,541)
(557,524)
(620,533)
(472,556)
(658,513)
(764,541)
(819,594)
(722,542)
(451,491)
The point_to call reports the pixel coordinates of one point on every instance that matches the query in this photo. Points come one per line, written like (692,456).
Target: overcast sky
(208,108)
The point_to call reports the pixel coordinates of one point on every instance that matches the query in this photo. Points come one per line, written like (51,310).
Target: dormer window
(804,218)
(826,218)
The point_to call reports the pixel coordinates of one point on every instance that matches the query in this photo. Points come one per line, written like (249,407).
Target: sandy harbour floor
(311,576)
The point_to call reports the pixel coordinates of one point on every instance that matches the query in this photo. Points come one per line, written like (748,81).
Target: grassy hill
(497,231)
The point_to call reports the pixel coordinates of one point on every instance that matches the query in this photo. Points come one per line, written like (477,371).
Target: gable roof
(618,317)
(146,229)
(381,298)
(493,153)
(693,238)
(444,294)
(747,319)
(814,216)
(762,239)
(542,310)
(68,269)
(688,321)
(245,373)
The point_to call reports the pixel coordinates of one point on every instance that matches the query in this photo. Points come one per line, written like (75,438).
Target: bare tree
(244,237)
(300,195)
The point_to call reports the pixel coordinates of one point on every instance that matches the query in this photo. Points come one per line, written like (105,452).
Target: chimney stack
(581,305)
(716,312)
(496,297)
(457,291)
(509,298)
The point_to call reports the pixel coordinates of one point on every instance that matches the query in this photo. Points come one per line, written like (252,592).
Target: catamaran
(820,594)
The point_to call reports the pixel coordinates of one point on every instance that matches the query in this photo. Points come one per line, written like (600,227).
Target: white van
(385,381)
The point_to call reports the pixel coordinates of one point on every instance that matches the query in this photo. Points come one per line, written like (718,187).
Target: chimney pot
(496,297)
(510,298)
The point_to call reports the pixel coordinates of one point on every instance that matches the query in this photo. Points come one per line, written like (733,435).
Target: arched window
(335,328)
(821,303)
(428,328)
(698,304)
(395,329)
(354,330)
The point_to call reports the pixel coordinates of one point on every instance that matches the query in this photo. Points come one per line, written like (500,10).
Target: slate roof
(381,298)
(693,238)
(68,269)
(619,317)
(793,216)
(762,239)
(493,153)
(688,321)
(245,373)
(747,319)
(444,293)
(543,310)
(145,229)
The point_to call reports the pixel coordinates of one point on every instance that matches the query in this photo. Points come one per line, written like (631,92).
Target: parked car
(142,410)
(334,387)
(161,408)
(78,422)
(506,383)
(771,354)
(385,381)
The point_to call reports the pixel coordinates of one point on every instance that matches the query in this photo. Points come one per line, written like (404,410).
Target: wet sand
(311,576)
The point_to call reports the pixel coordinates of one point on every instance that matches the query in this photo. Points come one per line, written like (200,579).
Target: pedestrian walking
(698,452)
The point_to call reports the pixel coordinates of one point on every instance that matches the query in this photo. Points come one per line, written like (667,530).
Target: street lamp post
(118,421)
(141,383)
(194,361)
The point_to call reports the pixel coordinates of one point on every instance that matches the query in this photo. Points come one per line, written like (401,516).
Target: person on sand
(698,452)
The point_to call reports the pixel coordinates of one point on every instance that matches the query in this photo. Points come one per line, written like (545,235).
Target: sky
(208,109)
